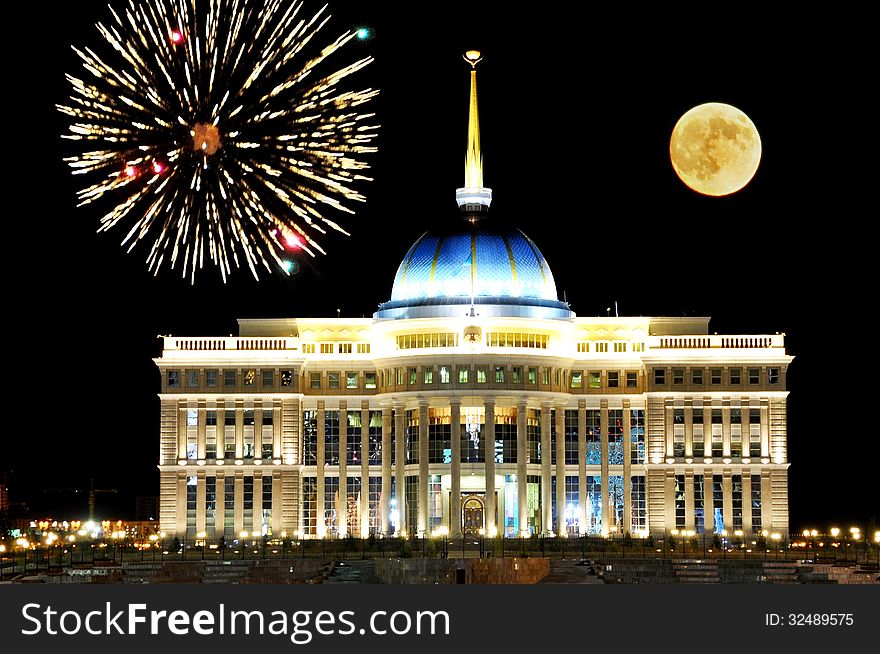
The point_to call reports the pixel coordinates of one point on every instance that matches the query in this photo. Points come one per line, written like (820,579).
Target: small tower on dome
(473,199)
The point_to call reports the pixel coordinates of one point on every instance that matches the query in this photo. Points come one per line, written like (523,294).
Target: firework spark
(214,128)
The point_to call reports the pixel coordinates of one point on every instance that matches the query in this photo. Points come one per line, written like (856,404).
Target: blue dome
(484,263)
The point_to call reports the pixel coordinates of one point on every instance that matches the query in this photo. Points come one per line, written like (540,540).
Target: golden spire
(473,166)
(473,198)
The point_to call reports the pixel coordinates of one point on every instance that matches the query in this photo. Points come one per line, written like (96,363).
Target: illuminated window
(595,379)
(192,378)
(516,373)
(736,487)
(249,418)
(363,348)
(287,377)
(268,378)
(715,376)
(481,375)
(516,339)
(772,375)
(400,376)
(659,376)
(250,376)
(620,347)
(577,379)
(499,374)
(678,432)
(583,346)
(229,378)
(545,376)
(594,437)
(370,380)
(757,521)
(326,348)
(754,375)
(679,501)
(639,501)
(345,348)
(428,375)
(413,376)
(174,378)
(678,375)
(533,375)
(638,347)
(613,379)
(308,348)
(735,376)
(632,379)
(601,347)
(427,339)
(211,378)
(332,380)
(637,436)
(192,418)
(310,438)
(699,505)
(444,374)
(331,438)
(315,380)
(351,380)
(697,376)
(462,375)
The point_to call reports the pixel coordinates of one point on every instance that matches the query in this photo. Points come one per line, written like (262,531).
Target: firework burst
(219,131)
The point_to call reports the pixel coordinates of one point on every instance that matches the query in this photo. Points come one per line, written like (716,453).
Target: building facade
(473,401)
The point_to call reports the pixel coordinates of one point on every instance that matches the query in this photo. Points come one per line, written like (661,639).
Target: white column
(489,466)
(386,471)
(455,485)
(560,471)
(400,463)
(521,458)
(546,486)
(365,469)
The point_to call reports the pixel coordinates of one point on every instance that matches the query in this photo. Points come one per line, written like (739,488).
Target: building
(332,427)
(4,500)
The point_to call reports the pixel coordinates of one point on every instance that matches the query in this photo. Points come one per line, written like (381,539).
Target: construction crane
(94,491)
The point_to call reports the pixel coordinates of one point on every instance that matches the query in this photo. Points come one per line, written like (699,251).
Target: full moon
(715,149)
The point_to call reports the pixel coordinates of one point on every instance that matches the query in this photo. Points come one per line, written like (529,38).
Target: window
(192,378)
(268,417)
(715,375)
(345,348)
(754,375)
(697,376)
(577,379)
(499,374)
(363,348)
(268,378)
(429,339)
(462,375)
(638,347)
(287,377)
(211,418)
(369,380)
(613,379)
(735,376)
(637,436)
(428,375)
(400,376)
(308,348)
(533,375)
(173,378)
(332,380)
(545,376)
(315,380)
(620,347)
(310,437)
(678,375)
(736,416)
(444,374)
(595,379)
(516,374)
(249,417)
(192,418)
(229,378)
(516,339)
(659,376)
(413,376)
(326,348)
(601,347)
(632,379)
(250,376)
(229,418)
(772,375)
(211,378)
(583,346)
(481,375)
(351,379)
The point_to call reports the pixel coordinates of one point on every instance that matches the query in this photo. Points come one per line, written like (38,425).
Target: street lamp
(835,532)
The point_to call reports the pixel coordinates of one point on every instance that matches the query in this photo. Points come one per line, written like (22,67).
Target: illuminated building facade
(474,401)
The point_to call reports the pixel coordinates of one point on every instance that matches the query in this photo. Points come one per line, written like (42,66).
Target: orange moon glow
(715,149)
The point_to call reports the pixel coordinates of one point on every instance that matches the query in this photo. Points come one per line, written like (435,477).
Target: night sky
(577,108)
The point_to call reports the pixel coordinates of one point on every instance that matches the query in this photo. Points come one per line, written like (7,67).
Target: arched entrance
(472,514)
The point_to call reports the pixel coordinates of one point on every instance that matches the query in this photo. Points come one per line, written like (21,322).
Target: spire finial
(473,197)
